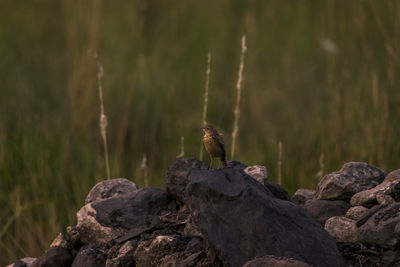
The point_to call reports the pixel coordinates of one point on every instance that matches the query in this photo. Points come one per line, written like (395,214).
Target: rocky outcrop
(205,218)
(369,233)
(235,217)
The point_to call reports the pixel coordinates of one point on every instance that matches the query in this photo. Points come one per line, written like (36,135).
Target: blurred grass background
(320,76)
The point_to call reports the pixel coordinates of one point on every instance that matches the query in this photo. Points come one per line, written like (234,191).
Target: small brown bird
(214,145)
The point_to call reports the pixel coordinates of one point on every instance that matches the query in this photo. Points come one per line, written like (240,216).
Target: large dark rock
(241,219)
(352,178)
(124,217)
(90,256)
(176,177)
(274,261)
(277,190)
(322,210)
(54,256)
(111,188)
(380,228)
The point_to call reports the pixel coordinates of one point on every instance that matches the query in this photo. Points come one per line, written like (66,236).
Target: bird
(214,144)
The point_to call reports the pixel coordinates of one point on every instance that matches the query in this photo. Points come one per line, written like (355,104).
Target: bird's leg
(211,161)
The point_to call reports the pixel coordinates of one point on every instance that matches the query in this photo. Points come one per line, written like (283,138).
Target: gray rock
(393,176)
(322,210)
(18,263)
(28,261)
(24,262)
(54,256)
(336,186)
(90,256)
(380,227)
(355,213)
(367,198)
(124,217)
(363,171)
(270,260)
(352,178)
(384,199)
(177,176)
(257,172)
(110,188)
(301,196)
(241,219)
(342,229)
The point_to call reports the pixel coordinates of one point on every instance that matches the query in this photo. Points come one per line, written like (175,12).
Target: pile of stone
(229,217)
(360,207)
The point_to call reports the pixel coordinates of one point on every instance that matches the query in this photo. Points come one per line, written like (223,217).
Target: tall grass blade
(236,111)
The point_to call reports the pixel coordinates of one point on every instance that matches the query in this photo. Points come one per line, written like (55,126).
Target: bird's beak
(202,128)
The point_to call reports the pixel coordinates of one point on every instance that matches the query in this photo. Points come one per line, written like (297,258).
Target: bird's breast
(212,146)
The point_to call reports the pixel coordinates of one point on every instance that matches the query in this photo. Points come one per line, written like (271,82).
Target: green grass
(344,104)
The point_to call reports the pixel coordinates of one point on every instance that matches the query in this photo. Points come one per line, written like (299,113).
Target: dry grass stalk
(103,117)
(280,162)
(208,71)
(236,111)
(143,167)
(182,154)
(320,173)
